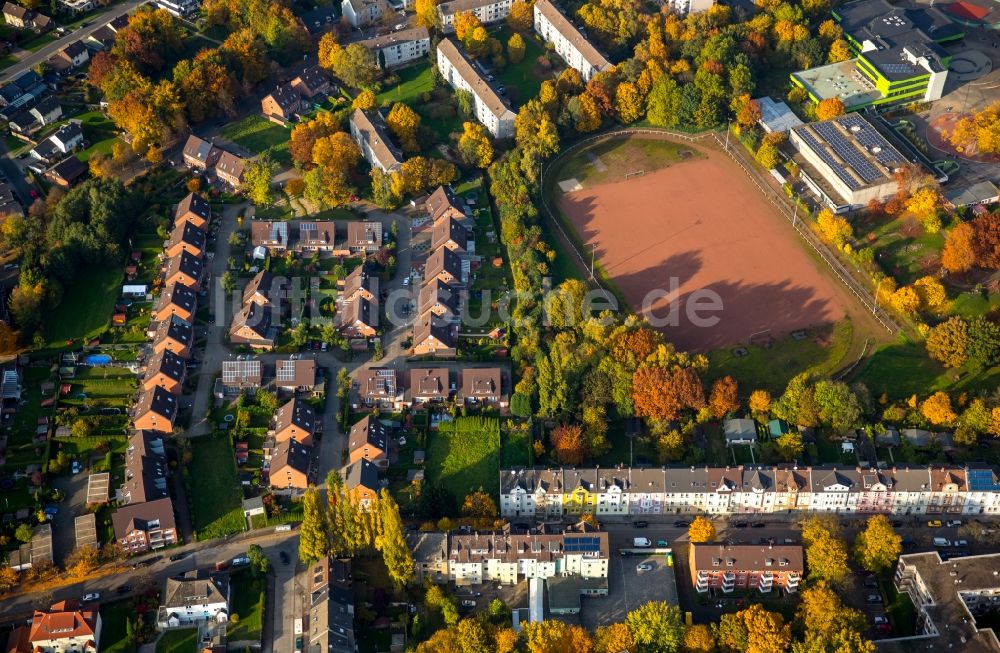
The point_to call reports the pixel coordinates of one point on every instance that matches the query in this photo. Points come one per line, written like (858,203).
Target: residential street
(96,21)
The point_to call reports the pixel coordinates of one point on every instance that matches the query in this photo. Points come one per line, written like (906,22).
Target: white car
(645,566)
(468,603)
(406,281)
(90,598)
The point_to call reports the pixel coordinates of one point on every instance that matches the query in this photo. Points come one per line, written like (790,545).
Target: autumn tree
(978,132)
(878,546)
(834,229)
(628,102)
(81,562)
(474,146)
(753,629)
(569,444)
(789,446)
(535,132)
(614,638)
(427,13)
(656,627)
(701,530)
(760,404)
(479,505)
(663,102)
(660,394)
(521,16)
(937,409)
(697,639)
(365,100)
(354,64)
(257,178)
(986,241)
(305,134)
(959,253)
(767,154)
(404,123)
(390,542)
(312,533)
(829,108)
(551,636)
(515,48)
(828,625)
(837,405)
(905,300)
(9,578)
(826,553)
(584,112)
(924,205)
(931,292)
(724,398)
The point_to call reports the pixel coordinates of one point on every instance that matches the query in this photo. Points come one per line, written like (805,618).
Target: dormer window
(716,562)
(730,562)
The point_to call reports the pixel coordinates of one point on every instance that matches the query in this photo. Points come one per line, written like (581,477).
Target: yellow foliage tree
(613,639)
(878,546)
(937,408)
(959,254)
(701,530)
(931,291)
(474,146)
(839,51)
(515,48)
(365,100)
(760,402)
(698,639)
(628,102)
(404,123)
(978,132)
(830,107)
(521,16)
(427,13)
(905,300)
(826,553)
(924,204)
(994,425)
(834,229)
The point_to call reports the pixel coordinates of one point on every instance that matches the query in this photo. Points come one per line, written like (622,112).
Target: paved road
(96,21)
(14,175)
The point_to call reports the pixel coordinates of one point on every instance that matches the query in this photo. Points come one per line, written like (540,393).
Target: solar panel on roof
(581,544)
(983,480)
(286,370)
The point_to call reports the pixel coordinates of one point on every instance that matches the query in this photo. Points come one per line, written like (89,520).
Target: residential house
(508,558)
(295,420)
(156,410)
(487,11)
(379,386)
(195,598)
(569,42)
(320,20)
(949,487)
(450,234)
(9,203)
(740,431)
(229,168)
(282,104)
(331,607)
(361,13)
(252,326)
(143,526)
(186,237)
(295,375)
(442,204)
(243,374)
(289,466)
(483,386)
(165,370)
(176,300)
(186,269)
(66,139)
(456,68)
(430,556)
(726,568)
(399,47)
(361,481)
(430,338)
(359,285)
(445,266)
(312,81)
(23,89)
(199,153)
(102,38)
(17,16)
(47,110)
(429,384)
(194,208)
(23,123)
(66,627)
(439,300)
(146,469)
(73,55)
(358,318)
(364,237)
(261,290)
(175,335)
(317,236)
(67,172)
(272,236)
(369,440)
(369,131)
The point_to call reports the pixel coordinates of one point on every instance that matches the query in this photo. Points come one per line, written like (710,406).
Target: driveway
(74,487)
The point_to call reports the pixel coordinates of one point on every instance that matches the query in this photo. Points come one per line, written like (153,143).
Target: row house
(146,468)
(185,269)
(166,370)
(295,420)
(156,410)
(358,305)
(289,466)
(194,209)
(143,526)
(369,440)
(205,156)
(379,387)
(253,324)
(934,490)
(175,335)
(330,607)
(729,567)
(186,237)
(507,559)
(456,68)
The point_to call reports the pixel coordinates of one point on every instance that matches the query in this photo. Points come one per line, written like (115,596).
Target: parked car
(935,523)
(640,524)
(873,598)
(961,542)
(645,566)
(241,561)
(662,543)
(178,556)
(124,589)
(91,597)
(880,619)
(758,524)
(871,582)
(740,524)
(954,523)
(468,603)
(680,523)
(77,467)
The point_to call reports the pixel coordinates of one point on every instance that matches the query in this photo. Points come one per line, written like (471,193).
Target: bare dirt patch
(703,223)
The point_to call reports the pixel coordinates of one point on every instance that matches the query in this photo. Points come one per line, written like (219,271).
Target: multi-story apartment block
(369,131)
(487,11)
(751,489)
(568,41)
(458,71)
(66,627)
(728,567)
(397,48)
(360,13)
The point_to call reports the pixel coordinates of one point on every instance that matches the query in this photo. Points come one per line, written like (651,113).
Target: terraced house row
(749,489)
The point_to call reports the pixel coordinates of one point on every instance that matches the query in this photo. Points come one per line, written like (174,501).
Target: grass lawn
(86,306)
(413,82)
(215,494)
(36,44)
(113,633)
(900,609)
(522,80)
(771,368)
(248,602)
(464,455)
(619,156)
(904,249)
(902,369)
(259,135)
(101,386)
(515,448)
(182,640)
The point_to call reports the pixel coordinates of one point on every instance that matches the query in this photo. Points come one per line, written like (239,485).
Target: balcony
(792,582)
(728,582)
(766,583)
(701,584)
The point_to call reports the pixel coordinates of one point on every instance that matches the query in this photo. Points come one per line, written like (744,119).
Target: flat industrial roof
(840,80)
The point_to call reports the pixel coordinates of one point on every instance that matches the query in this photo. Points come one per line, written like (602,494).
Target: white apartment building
(569,42)
(360,13)
(685,7)
(487,11)
(372,136)
(508,559)
(933,490)
(459,72)
(397,48)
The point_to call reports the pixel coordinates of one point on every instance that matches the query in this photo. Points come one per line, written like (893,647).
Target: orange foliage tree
(569,444)
(723,399)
